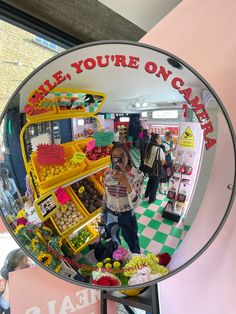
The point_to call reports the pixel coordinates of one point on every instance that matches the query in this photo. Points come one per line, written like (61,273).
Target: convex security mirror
(83,215)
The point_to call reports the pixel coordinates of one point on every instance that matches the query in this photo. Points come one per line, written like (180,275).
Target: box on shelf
(79,185)
(82,145)
(50,175)
(77,242)
(77,223)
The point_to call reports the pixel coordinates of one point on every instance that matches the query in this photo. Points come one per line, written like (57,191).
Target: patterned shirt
(116,197)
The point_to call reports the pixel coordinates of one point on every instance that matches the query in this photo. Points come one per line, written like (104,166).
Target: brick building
(20,53)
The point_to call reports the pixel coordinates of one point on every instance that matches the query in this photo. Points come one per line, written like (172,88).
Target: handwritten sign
(90,145)
(103,138)
(50,154)
(62,196)
(78,157)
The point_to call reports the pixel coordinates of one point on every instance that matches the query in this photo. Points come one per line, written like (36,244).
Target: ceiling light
(165,114)
(145,104)
(137,105)
(124,119)
(144,114)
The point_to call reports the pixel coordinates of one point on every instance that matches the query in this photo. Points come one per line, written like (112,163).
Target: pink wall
(202,34)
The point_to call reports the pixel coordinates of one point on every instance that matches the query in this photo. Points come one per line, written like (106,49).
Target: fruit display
(99,176)
(88,195)
(67,216)
(94,223)
(98,153)
(49,172)
(80,238)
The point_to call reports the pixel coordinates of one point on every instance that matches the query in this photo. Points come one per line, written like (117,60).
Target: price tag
(50,154)
(78,157)
(81,189)
(90,145)
(103,138)
(62,196)
(101,179)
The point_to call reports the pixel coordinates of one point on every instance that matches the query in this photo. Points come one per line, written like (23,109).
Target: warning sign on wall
(187,139)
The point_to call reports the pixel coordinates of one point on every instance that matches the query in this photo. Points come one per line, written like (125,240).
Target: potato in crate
(69,216)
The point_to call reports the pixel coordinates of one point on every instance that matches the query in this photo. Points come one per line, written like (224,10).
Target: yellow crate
(101,192)
(76,225)
(94,236)
(81,144)
(60,178)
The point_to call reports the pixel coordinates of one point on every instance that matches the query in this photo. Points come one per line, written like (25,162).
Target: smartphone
(115,165)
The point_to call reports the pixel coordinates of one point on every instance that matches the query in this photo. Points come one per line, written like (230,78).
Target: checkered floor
(156,234)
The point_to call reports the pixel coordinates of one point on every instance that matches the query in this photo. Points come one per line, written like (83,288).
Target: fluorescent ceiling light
(124,119)
(144,114)
(165,114)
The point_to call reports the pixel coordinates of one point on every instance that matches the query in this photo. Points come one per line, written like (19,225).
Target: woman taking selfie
(154,160)
(123,189)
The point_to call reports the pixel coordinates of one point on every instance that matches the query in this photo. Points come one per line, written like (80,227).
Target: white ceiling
(144,13)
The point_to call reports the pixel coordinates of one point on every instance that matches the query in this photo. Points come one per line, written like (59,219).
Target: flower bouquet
(103,278)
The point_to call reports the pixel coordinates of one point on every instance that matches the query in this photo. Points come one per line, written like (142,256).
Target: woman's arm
(135,196)
(162,157)
(135,188)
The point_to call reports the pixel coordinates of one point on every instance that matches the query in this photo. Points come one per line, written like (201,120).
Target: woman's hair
(126,151)
(152,142)
(145,133)
(12,261)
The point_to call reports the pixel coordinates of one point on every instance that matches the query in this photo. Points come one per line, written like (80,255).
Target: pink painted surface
(35,291)
(202,34)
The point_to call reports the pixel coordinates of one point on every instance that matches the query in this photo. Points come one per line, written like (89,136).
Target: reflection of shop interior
(68,197)
(156,234)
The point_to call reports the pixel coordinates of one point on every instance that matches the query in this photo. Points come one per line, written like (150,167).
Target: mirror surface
(63,199)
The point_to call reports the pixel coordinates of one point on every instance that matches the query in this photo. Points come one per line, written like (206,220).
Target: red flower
(106,281)
(21,221)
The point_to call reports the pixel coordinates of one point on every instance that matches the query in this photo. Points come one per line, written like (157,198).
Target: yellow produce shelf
(94,235)
(66,182)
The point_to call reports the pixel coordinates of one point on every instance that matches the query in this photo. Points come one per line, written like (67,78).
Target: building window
(47,44)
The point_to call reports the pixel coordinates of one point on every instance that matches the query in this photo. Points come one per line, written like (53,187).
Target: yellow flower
(108,265)
(33,244)
(107,259)
(99,264)
(39,235)
(58,268)
(60,242)
(45,258)
(21,213)
(18,228)
(116,264)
